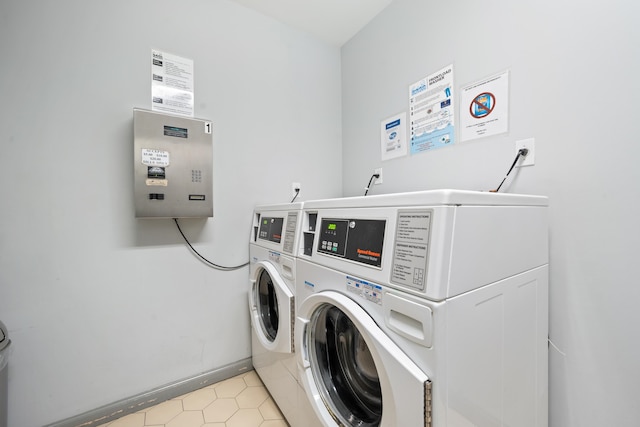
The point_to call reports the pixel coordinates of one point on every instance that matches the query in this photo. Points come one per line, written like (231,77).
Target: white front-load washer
(272,248)
(424,309)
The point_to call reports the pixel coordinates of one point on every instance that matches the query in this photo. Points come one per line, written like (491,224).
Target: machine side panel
(497,353)
(493,243)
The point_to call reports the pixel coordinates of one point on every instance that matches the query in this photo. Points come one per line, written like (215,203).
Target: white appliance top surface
(431,198)
(283,207)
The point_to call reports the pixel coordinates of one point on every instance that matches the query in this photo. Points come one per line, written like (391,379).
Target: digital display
(331,227)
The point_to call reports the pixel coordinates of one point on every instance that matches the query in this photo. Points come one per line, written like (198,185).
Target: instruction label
(290,232)
(411,250)
(151,157)
(274,256)
(367,290)
(431,111)
(171,83)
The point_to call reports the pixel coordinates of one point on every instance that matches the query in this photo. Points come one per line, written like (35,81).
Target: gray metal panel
(184,186)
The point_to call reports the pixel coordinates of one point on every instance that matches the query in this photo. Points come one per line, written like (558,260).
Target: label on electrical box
(153,157)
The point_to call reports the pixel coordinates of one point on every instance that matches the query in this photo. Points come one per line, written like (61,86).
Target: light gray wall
(101,306)
(574,88)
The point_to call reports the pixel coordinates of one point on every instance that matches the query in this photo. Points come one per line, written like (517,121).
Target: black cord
(294,197)
(366,189)
(211,264)
(521,152)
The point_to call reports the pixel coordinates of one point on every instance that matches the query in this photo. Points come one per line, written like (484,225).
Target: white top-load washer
(424,309)
(272,248)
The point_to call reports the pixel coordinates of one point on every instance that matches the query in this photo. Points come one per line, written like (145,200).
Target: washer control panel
(271,229)
(359,240)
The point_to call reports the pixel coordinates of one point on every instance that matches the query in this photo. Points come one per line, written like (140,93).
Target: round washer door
(353,374)
(272,304)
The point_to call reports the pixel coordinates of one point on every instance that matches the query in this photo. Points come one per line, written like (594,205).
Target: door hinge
(428,404)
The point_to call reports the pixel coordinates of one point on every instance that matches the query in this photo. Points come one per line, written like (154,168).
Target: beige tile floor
(241,401)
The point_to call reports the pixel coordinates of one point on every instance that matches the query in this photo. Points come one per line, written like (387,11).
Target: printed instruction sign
(171,83)
(411,251)
(393,141)
(485,107)
(431,111)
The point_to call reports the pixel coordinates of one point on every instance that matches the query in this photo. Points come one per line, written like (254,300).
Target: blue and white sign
(393,141)
(431,111)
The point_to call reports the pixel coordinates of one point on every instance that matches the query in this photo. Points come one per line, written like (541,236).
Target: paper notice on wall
(393,142)
(171,84)
(431,111)
(485,107)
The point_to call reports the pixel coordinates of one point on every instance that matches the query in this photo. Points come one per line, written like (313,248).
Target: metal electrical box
(173,166)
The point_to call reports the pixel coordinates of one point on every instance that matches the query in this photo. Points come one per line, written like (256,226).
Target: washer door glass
(267,305)
(343,368)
